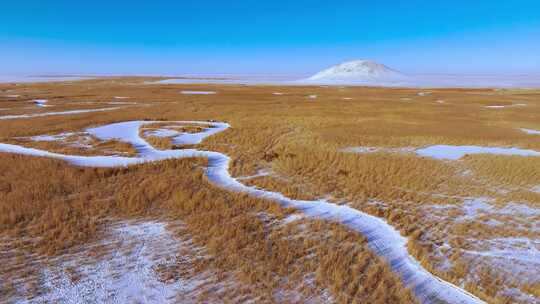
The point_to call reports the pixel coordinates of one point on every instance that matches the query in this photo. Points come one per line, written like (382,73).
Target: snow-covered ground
(72,112)
(504,241)
(161,133)
(128,269)
(382,238)
(56,137)
(42,103)
(457,152)
(506,106)
(446,151)
(198,92)
(370,73)
(362,150)
(32,79)
(531,131)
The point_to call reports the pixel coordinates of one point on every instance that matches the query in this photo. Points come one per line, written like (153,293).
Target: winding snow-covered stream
(382,238)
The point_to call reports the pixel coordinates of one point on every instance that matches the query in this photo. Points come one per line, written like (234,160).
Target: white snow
(473,207)
(121,97)
(505,106)
(530,131)
(440,101)
(121,103)
(430,81)
(126,274)
(56,137)
(423,93)
(512,248)
(382,238)
(408,80)
(34,79)
(161,133)
(260,173)
(12,96)
(359,70)
(457,152)
(40,102)
(313,96)
(8,117)
(363,150)
(198,92)
(519,209)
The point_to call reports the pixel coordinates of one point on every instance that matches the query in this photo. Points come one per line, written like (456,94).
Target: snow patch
(365,150)
(530,131)
(125,275)
(457,152)
(41,102)
(161,133)
(8,117)
(505,106)
(56,137)
(198,92)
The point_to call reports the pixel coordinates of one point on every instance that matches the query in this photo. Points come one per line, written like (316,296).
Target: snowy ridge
(382,238)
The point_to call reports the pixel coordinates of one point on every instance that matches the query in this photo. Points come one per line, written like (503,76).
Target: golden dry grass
(301,141)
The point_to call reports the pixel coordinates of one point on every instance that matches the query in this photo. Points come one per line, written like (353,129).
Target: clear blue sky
(280,37)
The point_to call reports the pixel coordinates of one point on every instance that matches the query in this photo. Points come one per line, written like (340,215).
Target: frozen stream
(382,238)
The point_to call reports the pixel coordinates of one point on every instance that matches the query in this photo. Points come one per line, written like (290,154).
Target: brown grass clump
(161,143)
(242,235)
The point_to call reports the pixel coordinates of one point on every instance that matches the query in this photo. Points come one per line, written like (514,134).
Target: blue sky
(277,37)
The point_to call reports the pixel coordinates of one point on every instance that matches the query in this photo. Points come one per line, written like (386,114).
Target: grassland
(301,142)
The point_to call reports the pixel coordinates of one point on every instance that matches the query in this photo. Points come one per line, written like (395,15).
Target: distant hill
(357,71)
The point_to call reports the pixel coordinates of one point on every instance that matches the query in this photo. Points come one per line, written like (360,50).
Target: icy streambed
(382,238)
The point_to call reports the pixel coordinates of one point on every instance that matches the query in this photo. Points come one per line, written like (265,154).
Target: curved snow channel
(382,238)
(8,117)
(457,152)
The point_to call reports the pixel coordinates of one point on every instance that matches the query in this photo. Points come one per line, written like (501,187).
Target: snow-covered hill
(357,71)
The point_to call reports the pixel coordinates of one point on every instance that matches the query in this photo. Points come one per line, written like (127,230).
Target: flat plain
(161,231)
